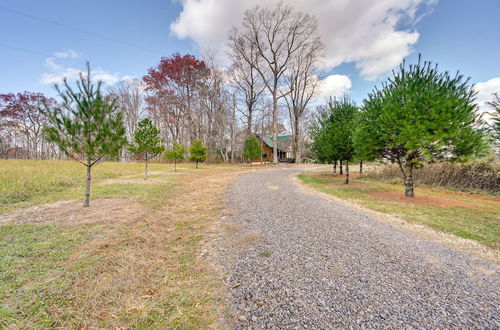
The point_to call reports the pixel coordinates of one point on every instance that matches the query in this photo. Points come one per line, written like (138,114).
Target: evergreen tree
(419,115)
(147,142)
(341,130)
(332,132)
(320,145)
(251,148)
(85,125)
(198,152)
(176,154)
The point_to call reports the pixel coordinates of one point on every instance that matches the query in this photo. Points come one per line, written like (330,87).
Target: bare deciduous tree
(302,82)
(130,99)
(276,35)
(248,83)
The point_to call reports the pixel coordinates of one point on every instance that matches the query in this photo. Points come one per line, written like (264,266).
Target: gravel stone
(332,267)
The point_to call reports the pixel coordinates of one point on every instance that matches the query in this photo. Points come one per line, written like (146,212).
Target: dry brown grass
(473,176)
(143,267)
(70,212)
(148,269)
(247,239)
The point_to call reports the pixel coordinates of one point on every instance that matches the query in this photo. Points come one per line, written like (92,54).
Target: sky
(42,41)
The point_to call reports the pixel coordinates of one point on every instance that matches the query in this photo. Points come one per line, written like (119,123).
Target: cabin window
(264,155)
(289,154)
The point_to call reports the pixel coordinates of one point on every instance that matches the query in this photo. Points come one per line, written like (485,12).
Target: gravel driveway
(296,260)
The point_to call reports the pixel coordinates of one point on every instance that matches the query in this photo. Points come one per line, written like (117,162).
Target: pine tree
(198,152)
(176,154)
(332,133)
(85,125)
(147,142)
(251,148)
(419,115)
(341,131)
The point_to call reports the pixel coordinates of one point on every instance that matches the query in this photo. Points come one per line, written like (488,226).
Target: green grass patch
(24,183)
(33,273)
(472,217)
(70,275)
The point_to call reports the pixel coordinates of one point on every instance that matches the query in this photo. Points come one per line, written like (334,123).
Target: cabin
(284,144)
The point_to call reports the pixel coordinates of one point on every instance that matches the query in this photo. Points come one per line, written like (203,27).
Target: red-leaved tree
(172,86)
(21,123)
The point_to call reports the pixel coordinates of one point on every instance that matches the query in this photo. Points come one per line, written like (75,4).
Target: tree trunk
(175,166)
(335,168)
(196,164)
(275,127)
(340,168)
(86,203)
(360,167)
(346,181)
(409,183)
(297,142)
(145,170)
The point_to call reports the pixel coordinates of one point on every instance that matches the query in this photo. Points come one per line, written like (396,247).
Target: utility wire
(40,54)
(26,51)
(12,11)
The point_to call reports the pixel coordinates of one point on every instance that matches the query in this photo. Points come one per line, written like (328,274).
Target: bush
(472,176)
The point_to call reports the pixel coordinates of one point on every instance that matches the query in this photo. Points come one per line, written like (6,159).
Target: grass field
(470,216)
(132,260)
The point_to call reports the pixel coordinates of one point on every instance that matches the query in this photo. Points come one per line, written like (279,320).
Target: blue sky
(459,35)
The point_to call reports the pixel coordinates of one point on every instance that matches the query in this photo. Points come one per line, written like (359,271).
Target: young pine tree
(147,142)
(85,125)
(176,154)
(341,130)
(198,152)
(251,148)
(419,115)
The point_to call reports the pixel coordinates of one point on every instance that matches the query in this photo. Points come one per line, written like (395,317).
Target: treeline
(266,90)
(418,116)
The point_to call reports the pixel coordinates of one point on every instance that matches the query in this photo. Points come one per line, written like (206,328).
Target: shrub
(472,176)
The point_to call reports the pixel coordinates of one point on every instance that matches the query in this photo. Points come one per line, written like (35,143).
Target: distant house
(284,144)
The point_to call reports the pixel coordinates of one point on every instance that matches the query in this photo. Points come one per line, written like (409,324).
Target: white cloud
(485,91)
(365,32)
(66,54)
(59,72)
(73,74)
(333,85)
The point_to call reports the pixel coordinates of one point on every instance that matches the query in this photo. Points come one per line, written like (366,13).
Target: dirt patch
(248,239)
(169,172)
(72,212)
(434,201)
(272,186)
(350,185)
(326,175)
(466,194)
(134,181)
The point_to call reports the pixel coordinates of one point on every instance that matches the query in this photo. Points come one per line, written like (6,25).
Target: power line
(41,54)
(26,51)
(12,11)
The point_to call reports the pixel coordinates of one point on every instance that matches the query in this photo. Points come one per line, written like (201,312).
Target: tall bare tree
(248,83)
(276,35)
(129,96)
(302,81)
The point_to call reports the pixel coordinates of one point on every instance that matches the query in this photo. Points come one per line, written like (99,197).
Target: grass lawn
(474,217)
(130,261)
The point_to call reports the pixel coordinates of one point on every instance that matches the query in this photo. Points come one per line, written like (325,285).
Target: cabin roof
(283,142)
